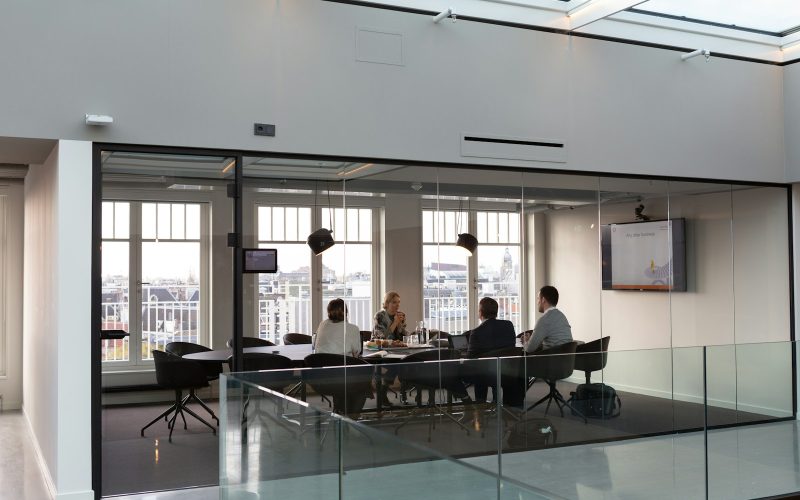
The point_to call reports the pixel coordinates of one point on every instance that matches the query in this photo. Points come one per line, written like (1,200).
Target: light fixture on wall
(466,240)
(445,13)
(695,53)
(99,120)
(321,239)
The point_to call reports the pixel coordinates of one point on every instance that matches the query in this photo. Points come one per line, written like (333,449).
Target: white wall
(200,73)
(11,195)
(737,258)
(57,326)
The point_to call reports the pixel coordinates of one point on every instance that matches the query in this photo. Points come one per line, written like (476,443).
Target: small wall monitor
(260,260)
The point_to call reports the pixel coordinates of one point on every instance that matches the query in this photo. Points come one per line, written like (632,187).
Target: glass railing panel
(379,464)
(752,383)
(273,446)
(619,414)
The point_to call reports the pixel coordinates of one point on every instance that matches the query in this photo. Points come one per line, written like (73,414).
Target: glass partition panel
(164,221)
(566,421)
(760,264)
(272,446)
(758,460)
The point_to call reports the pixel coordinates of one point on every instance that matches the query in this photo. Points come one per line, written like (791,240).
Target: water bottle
(421,336)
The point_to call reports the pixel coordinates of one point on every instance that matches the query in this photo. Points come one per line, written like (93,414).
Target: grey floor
(747,462)
(20,475)
(744,462)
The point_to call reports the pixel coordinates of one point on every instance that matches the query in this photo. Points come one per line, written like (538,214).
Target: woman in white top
(335,335)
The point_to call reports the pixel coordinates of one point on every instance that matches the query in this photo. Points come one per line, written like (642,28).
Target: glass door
(165,265)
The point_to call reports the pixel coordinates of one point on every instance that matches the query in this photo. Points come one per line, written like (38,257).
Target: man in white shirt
(552,329)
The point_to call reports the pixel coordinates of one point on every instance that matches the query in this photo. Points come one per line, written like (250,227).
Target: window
(494,270)
(498,258)
(284,298)
(347,267)
(445,271)
(153,255)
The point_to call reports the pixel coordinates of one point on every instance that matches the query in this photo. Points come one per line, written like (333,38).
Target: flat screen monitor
(648,255)
(260,260)
(458,342)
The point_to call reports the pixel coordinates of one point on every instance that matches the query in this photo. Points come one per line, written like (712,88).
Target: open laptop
(459,343)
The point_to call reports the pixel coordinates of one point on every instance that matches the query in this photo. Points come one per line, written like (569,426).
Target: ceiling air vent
(513,148)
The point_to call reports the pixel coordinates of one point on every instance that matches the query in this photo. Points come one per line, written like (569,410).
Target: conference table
(298,352)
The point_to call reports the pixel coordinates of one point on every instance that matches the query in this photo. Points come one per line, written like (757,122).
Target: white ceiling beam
(789,41)
(595,10)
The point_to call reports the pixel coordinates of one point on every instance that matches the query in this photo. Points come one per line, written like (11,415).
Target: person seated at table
(390,322)
(335,335)
(490,335)
(552,329)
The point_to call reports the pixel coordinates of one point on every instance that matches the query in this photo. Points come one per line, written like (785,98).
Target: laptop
(459,343)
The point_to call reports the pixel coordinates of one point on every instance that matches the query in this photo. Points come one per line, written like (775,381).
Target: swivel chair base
(556,396)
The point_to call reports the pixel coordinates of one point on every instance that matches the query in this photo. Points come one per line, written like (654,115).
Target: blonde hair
(390,296)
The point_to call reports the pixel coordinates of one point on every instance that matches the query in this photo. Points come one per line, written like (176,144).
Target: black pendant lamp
(320,240)
(468,242)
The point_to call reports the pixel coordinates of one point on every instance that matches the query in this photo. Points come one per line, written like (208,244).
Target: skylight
(763,30)
(774,16)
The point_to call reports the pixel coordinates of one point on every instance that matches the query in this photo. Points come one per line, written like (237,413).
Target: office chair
(178,374)
(366,335)
(345,379)
(428,371)
(592,356)
(296,338)
(212,369)
(275,375)
(552,365)
(251,342)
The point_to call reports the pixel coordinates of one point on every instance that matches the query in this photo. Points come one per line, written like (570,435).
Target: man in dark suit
(490,335)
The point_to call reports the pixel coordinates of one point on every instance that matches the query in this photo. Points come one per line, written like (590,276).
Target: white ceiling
(768,30)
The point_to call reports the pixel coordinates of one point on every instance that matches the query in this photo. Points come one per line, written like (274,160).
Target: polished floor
(743,463)
(20,475)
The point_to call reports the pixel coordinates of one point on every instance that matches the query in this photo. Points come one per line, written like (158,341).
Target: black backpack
(595,401)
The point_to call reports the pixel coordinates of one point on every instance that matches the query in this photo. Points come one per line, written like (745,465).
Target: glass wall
(650,270)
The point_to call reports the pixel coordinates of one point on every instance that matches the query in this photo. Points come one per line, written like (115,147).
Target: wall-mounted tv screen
(260,260)
(649,255)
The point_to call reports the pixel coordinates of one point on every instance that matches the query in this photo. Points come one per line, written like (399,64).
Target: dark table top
(299,352)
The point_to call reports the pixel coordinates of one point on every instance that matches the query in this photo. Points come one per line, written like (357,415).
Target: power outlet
(265,129)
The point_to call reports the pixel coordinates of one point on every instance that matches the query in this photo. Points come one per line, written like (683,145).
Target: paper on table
(376,354)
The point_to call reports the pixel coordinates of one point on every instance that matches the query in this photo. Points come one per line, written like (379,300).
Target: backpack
(595,401)
(531,433)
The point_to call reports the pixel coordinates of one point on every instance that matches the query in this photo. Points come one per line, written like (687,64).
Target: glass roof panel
(774,16)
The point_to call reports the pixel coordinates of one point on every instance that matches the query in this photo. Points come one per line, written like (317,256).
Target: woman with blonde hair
(390,322)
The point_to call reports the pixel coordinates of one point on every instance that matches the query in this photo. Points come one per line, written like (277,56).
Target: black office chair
(592,356)
(178,374)
(347,387)
(552,365)
(212,369)
(345,379)
(275,374)
(251,342)
(428,371)
(296,338)
(512,378)
(366,335)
